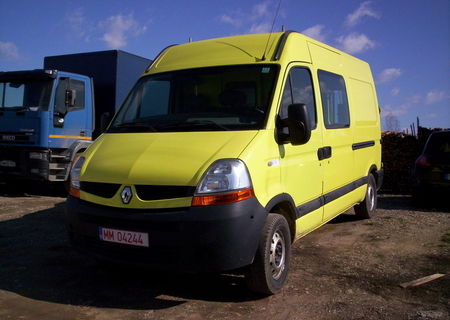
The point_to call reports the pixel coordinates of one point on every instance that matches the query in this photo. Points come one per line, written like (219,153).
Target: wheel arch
(284,205)
(378,173)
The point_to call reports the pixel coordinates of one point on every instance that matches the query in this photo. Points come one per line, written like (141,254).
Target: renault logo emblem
(126,195)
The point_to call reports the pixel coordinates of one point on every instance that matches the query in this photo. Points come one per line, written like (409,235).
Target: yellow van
(225,152)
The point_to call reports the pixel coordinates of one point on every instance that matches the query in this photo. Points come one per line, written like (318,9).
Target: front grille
(105,190)
(148,192)
(16,138)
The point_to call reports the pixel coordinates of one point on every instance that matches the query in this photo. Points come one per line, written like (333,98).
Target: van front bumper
(193,239)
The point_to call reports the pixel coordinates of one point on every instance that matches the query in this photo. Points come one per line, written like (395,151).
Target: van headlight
(75,177)
(225,181)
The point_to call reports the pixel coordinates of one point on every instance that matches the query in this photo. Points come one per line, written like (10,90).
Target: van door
(301,172)
(336,154)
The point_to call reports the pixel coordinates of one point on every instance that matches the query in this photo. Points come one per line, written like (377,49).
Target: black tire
(268,272)
(368,206)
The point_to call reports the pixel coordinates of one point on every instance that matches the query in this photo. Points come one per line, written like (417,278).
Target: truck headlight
(75,178)
(225,181)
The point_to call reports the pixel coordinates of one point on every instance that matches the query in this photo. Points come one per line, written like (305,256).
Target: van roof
(242,49)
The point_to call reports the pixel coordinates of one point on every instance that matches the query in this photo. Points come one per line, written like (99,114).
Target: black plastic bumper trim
(193,239)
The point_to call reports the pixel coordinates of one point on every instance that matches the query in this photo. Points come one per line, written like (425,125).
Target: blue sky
(406,42)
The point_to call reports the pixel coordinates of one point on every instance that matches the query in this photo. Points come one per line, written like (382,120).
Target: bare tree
(391,123)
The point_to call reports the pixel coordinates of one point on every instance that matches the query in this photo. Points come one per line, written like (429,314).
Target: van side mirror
(299,124)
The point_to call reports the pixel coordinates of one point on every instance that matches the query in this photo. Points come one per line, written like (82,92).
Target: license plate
(7,163)
(131,238)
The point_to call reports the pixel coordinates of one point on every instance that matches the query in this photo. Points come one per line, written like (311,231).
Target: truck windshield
(204,99)
(28,95)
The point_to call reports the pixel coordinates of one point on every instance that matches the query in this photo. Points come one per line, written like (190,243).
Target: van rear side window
(334,100)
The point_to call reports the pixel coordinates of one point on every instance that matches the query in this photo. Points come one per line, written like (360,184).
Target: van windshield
(204,99)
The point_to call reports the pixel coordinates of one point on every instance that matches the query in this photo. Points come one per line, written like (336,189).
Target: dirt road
(348,269)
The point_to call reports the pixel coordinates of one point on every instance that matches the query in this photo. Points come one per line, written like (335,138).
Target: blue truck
(49,115)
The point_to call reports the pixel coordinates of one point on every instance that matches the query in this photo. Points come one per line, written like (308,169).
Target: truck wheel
(367,207)
(270,267)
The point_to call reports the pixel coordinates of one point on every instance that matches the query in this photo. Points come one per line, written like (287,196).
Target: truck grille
(16,138)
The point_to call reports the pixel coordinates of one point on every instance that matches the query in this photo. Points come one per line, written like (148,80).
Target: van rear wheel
(367,207)
(270,267)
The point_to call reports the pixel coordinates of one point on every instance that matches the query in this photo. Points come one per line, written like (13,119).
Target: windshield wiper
(206,124)
(134,125)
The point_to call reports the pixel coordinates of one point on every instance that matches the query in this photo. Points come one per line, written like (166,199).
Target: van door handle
(324,153)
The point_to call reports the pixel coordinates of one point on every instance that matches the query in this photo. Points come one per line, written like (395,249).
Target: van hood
(168,158)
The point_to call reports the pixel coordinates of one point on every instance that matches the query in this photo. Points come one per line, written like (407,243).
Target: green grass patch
(446,238)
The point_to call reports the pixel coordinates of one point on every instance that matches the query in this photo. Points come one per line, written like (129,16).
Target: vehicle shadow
(25,188)
(37,262)
(407,202)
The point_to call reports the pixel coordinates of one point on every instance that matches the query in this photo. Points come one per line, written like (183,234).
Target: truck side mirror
(70,96)
(299,124)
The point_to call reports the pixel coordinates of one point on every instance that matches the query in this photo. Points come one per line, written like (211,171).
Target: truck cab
(42,112)
(49,115)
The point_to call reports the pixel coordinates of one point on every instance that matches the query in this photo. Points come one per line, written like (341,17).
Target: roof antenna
(271,30)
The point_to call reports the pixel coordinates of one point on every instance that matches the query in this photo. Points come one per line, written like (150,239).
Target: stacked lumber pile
(399,152)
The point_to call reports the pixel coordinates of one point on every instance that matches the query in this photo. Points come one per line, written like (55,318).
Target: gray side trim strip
(361,145)
(315,204)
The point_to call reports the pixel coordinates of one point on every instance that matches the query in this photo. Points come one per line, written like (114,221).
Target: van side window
(334,100)
(299,89)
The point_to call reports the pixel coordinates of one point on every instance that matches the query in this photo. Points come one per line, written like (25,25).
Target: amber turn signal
(223,198)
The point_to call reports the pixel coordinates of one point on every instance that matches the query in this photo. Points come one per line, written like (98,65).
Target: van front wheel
(270,267)
(367,207)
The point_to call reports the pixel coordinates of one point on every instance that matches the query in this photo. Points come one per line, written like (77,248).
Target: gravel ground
(348,269)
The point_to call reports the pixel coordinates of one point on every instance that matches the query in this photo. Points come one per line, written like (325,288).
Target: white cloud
(315,32)
(414,101)
(234,21)
(79,25)
(262,27)
(431,116)
(435,96)
(261,9)
(355,43)
(389,110)
(395,91)
(257,20)
(9,51)
(364,10)
(119,28)
(388,75)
